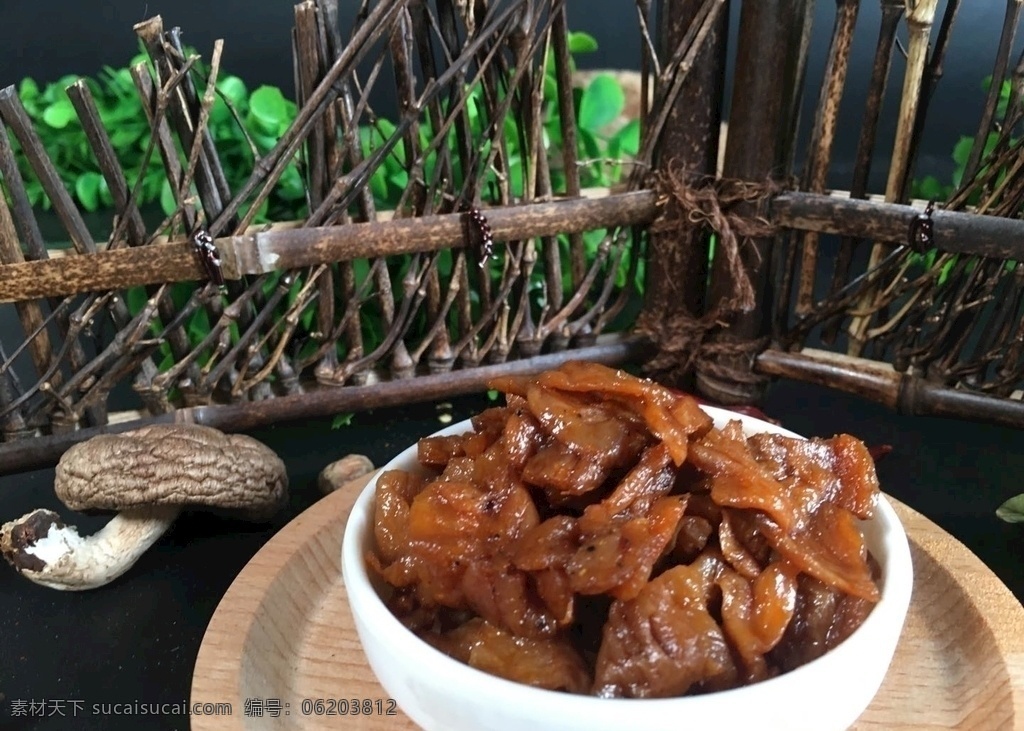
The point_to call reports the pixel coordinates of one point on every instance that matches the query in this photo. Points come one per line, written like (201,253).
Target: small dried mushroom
(342,471)
(148,476)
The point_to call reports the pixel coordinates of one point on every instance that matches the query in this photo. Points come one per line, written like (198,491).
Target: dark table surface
(134,643)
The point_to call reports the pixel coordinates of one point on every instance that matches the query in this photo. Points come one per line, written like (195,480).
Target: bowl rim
(896,588)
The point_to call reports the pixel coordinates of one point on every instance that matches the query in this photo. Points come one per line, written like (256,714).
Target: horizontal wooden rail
(289,248)
(42,451)
(880,382)
(953,231)
(259,251)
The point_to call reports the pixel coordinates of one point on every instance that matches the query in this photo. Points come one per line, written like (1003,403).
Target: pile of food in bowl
(601,535)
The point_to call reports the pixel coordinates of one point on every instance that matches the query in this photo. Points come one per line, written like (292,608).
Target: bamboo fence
(497,260)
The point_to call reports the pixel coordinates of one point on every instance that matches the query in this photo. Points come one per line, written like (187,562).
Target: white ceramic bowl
(442,694)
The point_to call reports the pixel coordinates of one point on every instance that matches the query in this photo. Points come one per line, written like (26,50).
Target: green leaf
(379,184)
(135,298)
(592,241)
(264,142)
(628,138)
(291,187)
(59,114)
(342,420)
(641,274)
(962,150)
(946,269)
(602,102)
(580,42)
(399,179)
(167,199)
(233,88)
(106,199)
(930,188)
(588,140)
(492,394)
(1012,511)
(28,89)
(267,106)
(550,88)
(124,136)
(87,188)
(198,326)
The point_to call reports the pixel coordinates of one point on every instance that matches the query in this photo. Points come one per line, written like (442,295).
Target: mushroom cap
(187,465)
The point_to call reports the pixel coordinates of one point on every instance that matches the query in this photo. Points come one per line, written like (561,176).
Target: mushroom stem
(43,549)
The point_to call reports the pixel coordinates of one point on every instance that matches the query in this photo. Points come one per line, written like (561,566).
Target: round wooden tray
(282,648)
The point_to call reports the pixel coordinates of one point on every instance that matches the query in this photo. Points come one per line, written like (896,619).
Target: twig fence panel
(498,254)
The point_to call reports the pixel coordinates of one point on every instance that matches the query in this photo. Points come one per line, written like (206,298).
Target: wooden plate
(282,648)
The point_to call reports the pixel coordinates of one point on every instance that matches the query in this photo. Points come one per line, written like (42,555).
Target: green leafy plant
(259,117)
(245,123)
(931,188)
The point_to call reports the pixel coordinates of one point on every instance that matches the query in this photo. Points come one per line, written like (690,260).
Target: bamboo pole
(920,15)
(769,69)
(285,247)
(891,12)
(905,393)
(823,137)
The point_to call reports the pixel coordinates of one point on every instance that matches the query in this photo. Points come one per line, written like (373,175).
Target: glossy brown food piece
(664,642)
(597,535)
(544,663)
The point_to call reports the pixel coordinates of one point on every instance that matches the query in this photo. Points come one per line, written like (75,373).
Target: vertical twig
(932,75)
(822,138)
(29,313)
(892,11)
(920,15)
(135,233)
(1013,11)
(567,120)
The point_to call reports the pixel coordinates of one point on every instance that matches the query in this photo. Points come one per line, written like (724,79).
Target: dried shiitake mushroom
(148,476)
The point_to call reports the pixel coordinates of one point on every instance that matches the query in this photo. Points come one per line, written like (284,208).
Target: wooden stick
(823,137)
(42,451)
(892,11)
(762,124)
(920,16)
(151,33)
(30,312)
(567,120)
(880,382)
(932,74)
(954,231)
(1013,11)
(262,252)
